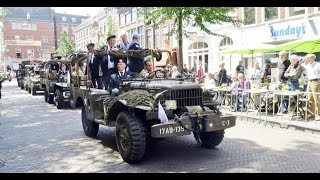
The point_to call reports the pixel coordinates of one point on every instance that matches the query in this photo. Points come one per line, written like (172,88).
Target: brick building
(28,33)
(66,22)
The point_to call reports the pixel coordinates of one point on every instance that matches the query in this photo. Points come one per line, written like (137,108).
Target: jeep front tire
(131,136)
(212,139)
(59,99)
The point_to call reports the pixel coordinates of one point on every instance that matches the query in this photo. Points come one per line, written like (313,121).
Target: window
(29,38)
(30,53)
(249,15)
(293,11)
(141,32)
(198,45)
(157,38)
(134,14)
(128,18)
(14,25)
(225,42)
(19,26)
(270,13)
(45,40)
(73,19)
(122,20)
(165,30)
(33,27)
(16,37)
(18,53)
(149,40)
(64,19)
(28,15)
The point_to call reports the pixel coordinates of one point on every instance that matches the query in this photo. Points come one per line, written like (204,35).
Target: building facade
(28,33)
(263,26)
(95,28)
(66,23)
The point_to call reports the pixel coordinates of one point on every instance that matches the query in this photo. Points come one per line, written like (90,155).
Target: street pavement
(37,137)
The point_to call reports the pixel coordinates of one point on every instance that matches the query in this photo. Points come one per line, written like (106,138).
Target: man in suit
(109,62)
(115,78)
(95,67)
(135,64)
(124,45)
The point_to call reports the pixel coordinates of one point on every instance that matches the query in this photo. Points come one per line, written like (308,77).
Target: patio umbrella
(249,50)
(306,46)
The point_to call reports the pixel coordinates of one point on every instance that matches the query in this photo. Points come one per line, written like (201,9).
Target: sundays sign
(288,31)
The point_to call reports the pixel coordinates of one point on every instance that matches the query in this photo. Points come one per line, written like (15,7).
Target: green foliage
(65,45)
(186,16)
(3,12)
(111,27)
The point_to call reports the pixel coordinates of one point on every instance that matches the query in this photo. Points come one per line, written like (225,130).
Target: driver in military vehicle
(115,78)
(148,71)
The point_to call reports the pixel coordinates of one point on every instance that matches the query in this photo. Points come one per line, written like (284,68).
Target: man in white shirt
(109,62)
(313,71)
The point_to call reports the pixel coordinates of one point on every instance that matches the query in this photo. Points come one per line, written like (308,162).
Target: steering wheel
(159,73)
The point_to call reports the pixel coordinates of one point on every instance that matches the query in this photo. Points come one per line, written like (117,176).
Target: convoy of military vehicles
(145,108)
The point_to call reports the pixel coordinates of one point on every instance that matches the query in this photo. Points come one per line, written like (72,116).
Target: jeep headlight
(171,104)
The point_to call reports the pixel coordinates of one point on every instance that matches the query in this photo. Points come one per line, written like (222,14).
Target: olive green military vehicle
(32,79)
(78,79)
(55,83)
(154,108)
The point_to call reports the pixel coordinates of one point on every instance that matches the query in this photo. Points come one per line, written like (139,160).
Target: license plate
(171,129)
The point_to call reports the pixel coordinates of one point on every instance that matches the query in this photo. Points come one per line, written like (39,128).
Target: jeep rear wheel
(26,87)
(212,139)
(59,99)
(90,128)
(45,95)
(29,90)
(50,98)
(18,83)
(21,85)
(131,137)
(34,90)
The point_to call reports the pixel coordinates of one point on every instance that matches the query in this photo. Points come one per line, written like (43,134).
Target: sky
(78,10)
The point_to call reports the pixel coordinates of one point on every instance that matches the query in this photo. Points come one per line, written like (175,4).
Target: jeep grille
(186,97)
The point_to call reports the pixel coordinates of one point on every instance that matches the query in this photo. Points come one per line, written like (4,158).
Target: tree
(65,45)
(185,16)
(3,12)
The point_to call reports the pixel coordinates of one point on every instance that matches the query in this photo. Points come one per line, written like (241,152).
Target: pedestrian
(135,64)
(234,92)
(109,62)
(245,85)
(222,74)
(283,65)
(240,68)
(256,76)
(313,71)
(1,80)
(95,64)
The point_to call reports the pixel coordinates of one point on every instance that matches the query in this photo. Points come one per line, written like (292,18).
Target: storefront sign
(289,30)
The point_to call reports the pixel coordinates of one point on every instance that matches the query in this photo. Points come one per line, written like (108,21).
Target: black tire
(50,98)
(131,137)
(90,128)
(59,99)
(29,89)
(21,85)
(45,95)
(34,90)
(212,139)
(18,83)
(26,87)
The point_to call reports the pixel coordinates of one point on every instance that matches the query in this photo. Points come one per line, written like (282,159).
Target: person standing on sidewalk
(283,65)
(313,71)
(293,73)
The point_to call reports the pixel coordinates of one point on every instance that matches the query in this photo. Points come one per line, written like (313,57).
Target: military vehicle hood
(165,84)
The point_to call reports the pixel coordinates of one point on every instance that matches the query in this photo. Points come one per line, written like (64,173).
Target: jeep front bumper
(208,122)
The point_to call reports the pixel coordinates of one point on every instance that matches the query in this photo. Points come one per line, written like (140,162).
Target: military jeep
(55,83)
(32,78)
(154,108)
(78,79)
